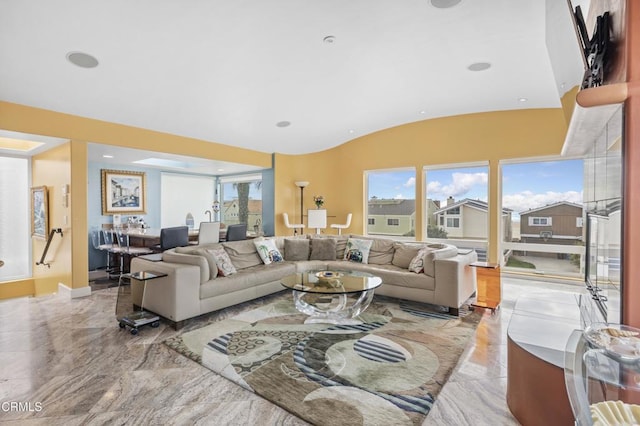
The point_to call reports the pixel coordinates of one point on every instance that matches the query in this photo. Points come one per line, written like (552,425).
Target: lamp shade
(301,183)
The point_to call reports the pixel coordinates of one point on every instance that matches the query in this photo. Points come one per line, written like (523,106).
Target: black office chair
(237,232)
(177,236)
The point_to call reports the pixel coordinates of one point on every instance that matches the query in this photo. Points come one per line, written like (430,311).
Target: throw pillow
(417,263)
(296,249)
(357,250)
(323,249)
(225,267)
(267,250)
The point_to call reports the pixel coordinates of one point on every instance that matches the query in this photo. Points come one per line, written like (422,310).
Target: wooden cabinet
(489,290)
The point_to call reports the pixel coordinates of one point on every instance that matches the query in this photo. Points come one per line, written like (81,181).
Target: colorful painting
(123,192)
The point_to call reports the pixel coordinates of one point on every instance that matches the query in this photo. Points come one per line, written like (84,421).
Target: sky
(524,186)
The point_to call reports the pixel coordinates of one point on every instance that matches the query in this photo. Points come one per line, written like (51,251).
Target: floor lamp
(302,184)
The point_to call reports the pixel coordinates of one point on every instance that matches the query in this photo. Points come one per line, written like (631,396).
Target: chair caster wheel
(134,331)
(155,324)
(121,325)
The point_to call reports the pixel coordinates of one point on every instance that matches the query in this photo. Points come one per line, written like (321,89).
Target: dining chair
(294,226)
(342,226)
(176,236)
(237,232)
(209,232)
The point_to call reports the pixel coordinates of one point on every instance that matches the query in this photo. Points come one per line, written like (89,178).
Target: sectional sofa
(195,285)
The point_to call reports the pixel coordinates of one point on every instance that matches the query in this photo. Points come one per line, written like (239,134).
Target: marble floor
(68,363)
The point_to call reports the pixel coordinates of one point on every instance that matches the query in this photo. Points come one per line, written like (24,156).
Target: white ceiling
(228,71)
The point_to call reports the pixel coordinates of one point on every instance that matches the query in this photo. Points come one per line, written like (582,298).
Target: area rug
(388,370)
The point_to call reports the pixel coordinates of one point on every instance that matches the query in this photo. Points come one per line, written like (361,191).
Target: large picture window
(391,206)
(545,203)
(241,201)
(456,206)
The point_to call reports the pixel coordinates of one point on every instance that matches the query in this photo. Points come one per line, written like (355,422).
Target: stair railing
(46,248)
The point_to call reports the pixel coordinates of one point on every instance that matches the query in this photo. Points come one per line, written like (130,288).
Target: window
(455,195)
(539,194)
(453,222)
(241,200)
(391,203)
(15,249)
(539,221)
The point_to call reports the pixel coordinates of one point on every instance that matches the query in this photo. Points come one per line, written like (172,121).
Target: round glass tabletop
(331,282)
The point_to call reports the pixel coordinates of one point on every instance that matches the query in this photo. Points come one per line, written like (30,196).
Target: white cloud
(460,185)
(411,182)
(526,200)
(399,197)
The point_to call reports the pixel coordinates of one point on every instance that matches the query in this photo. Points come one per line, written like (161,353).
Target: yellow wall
(68,165)
(53,169)
(338,173)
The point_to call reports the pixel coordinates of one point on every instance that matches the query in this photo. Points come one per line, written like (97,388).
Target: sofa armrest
(176,296)
(455,279)
(189,259)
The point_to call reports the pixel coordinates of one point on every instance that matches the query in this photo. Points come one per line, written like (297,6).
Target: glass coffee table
(332,297)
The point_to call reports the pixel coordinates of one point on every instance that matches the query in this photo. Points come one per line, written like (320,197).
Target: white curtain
(185,194)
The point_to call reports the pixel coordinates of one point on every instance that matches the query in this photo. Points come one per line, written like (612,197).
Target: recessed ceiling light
(221,170)
(107,156)
(283,123)
(81,59)
(423,112)
(479,66)
(523,99)
(351,131)
(444,4)
(329,39)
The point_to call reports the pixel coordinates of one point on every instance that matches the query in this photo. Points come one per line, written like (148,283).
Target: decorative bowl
(618,340)
(329,277)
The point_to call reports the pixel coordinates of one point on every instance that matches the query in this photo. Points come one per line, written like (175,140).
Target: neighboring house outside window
(371,221)
(393,222)
(579,222)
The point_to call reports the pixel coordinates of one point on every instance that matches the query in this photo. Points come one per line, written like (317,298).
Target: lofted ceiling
(235,71)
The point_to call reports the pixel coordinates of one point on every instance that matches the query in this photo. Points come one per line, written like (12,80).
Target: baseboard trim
(73,293)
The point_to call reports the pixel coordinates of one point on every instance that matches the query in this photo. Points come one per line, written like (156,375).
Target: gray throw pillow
(323,249)
(296,249)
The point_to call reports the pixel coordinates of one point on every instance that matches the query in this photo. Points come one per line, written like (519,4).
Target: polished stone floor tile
(71,357)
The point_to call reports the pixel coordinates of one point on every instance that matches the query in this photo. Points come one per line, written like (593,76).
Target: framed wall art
(39,212)
(123,191)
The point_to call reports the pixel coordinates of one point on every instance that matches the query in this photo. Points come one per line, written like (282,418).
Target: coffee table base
(331,308)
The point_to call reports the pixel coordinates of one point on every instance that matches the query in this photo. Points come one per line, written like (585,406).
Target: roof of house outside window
(386,207)
(477,204)
(550,206)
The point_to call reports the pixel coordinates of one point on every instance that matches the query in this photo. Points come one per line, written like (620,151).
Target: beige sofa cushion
(381,251)
(441,251)
(323,249)
(296,249)
(202,251)
(243,254)
(404,254)
(172,256)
